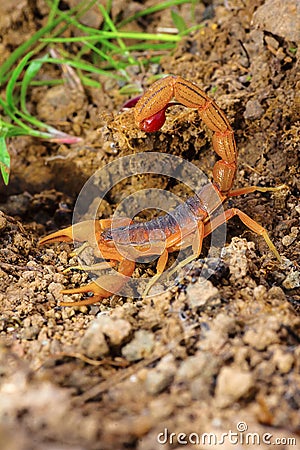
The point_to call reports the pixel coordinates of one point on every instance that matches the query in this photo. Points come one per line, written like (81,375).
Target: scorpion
(189,223)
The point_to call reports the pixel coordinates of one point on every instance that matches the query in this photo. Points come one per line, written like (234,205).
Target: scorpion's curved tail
(149,116)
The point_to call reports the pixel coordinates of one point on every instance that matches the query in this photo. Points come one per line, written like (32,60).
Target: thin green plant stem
(146,47)
(53,10)
(122,34)
(52,82)
(21,124)
(13,79)
(103,55)
(31,71)
(114,30)
(4,159)
(152,9)
(83,66)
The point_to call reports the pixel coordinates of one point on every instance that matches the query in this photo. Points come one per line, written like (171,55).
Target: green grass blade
(191,29)
(105,56)
(90,82)
(147,47)
(53,11)
(152,9)
(4,160)
(113,28)
(23,48)
(31,71)
(164,37)
(83,66)
(178,22)
(13,79)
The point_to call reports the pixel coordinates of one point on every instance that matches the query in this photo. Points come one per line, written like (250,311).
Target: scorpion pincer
(189,223)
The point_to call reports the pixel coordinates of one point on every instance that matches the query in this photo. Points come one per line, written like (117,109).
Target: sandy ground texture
(203,357)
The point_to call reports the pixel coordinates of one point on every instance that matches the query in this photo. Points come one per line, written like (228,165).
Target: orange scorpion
(190,222)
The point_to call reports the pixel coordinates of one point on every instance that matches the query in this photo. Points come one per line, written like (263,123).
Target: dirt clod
(201,293)
(232,384)
(140,347)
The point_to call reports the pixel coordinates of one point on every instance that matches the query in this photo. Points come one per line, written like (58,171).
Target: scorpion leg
(104,286)
(90,231)
(196,248)
(161,264)
(250,189)
(95,267)
(250,223)
(172,243)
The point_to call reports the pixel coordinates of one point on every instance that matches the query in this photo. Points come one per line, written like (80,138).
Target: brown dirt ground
(72,380)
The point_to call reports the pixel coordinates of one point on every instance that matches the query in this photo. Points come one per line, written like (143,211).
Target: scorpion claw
(64,235)
(87,230)
(104,286)
(98,294)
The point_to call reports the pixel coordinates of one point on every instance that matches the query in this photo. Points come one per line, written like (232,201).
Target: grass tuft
(108,47)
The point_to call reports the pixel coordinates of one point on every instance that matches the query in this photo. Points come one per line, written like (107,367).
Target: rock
(290,238)
(259,292)
(283,361)
(117,330)
(235,255)
(3,221)
(216,335)
(30,333)
(281,18)
(232,384)
(93,342)
(201,292)
(192,366)
(253,110)
(276,293)
(292,281)
(262,334)
(161,376)
(140,347)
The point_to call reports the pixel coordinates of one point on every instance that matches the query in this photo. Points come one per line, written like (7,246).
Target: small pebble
(93,342)
(117,330)
(292,281)
(201,292)
(262,334)
(202,363)
(161,376)
(235,255)
(140,347)
(3,221)
(276,293)
(289,239)
(232,384)
(283,361)
(253,110)
(30,333)
(259,292)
